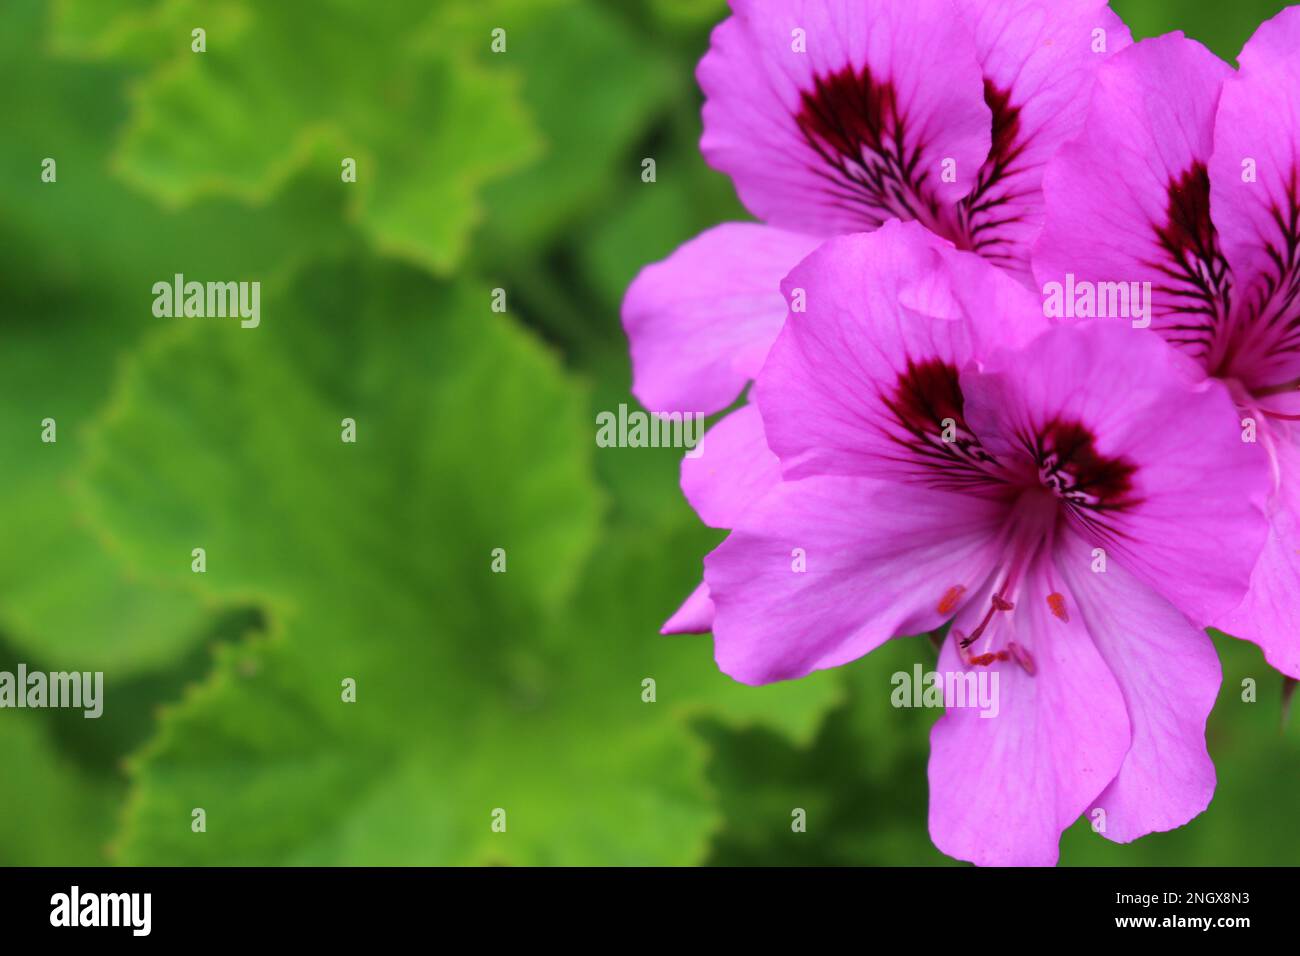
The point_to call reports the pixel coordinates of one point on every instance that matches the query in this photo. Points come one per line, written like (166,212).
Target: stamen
(983,660)
(1026,538)
(1023,658)
(948,603)
(997,603)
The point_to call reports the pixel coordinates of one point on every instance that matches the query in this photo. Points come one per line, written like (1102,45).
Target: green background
(476,691)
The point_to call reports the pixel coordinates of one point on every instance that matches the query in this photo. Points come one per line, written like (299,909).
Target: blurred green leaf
(282,88)
(53,812)
(90,251)
(861,784)
(653,220)
(374,560)
(136,31)
(592,86)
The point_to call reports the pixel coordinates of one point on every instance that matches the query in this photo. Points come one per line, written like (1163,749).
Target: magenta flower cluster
(929,443)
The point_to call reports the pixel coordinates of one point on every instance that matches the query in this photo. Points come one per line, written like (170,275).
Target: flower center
(1026,545)
(1053,473)
(1070,466)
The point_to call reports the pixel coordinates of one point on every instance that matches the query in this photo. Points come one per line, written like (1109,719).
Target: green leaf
(594,87)
(475,690)
(860,783)
(65,598)
(653,219)
(53,813)
(86,251)
(141,31)
(278,92)
(683,13)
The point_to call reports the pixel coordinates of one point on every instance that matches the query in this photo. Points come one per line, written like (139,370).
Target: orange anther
(1056,602)
(948,603)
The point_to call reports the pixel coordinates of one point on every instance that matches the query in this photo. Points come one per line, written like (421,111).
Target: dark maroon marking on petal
(1195,267)
(1190,227)
(1284,285)
(983,211)
(927,393)
(1269,324)
(849,112)
(852,121)
(1070,466)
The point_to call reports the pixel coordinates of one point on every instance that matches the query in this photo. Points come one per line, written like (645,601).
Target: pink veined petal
(855,129)
(1255,200)
(733,469)
(1144,148)
(821,571)
(701,321)
(864,381)
(695,616)
(1039,59)
(1270,614)
(1169,675)
(1169,488)
(1003,788)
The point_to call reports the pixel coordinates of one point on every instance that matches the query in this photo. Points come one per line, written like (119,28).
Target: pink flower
(1187,176)
(948,456)
(833,116)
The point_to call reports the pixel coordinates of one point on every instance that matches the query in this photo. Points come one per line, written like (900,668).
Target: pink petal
(1270,613)
(879,559)
(888,313)
(1039,63)
(1258,125)
(1004,788)
(811,138)
(1195,486)
(701,321)
(1259,119)
(695,616)
(1144,147)
(733,469)
(1169,675)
